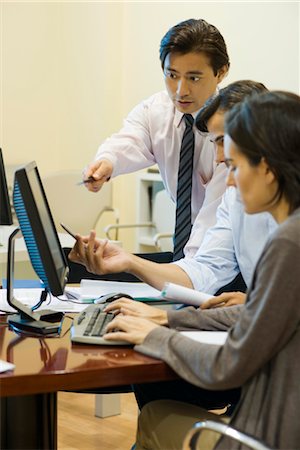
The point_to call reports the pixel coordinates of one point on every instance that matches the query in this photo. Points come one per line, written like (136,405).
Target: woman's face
(256,184)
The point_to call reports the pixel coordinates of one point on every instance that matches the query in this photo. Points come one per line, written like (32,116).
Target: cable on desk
(44,351)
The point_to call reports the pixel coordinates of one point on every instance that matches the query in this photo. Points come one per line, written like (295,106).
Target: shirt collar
(179,115)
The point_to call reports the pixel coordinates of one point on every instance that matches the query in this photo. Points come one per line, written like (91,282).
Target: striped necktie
(183,224)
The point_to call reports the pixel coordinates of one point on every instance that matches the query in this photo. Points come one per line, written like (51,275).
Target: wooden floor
(78,428)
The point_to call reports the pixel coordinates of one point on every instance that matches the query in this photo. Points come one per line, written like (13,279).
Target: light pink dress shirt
(152,134)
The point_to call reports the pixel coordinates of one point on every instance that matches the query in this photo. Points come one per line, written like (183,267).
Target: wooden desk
(45,366)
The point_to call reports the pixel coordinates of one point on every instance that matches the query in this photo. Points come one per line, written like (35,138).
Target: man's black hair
(195,36)
(225,99)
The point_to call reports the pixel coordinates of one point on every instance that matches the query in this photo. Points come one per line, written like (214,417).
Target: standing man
(160,130)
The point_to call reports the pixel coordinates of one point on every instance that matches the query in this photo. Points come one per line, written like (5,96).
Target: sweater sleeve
(217,319)
(266,323)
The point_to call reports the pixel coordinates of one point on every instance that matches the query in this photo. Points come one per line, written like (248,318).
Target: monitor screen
(5,209)
(38,229)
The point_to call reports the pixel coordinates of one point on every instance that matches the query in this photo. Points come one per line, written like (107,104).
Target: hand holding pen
(97,174)
(88,180)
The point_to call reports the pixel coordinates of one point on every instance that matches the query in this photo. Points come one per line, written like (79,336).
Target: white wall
(60,80)
(70,71)
(262,40)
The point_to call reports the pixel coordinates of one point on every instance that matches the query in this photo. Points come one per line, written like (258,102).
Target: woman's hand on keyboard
(138,309)
(131,329)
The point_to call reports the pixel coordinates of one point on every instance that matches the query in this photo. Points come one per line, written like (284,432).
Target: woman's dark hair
(225,99)
(268,126)
(195,36)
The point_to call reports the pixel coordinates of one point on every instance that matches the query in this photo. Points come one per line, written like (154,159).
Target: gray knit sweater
(262,352)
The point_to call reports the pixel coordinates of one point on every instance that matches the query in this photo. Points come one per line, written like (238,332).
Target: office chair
(74,205)
(81,210)
(191,439)
(159,231)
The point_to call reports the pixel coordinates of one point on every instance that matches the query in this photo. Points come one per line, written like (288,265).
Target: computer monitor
(5,209)
(44,249)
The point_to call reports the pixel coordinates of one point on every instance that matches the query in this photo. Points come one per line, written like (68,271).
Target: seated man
(231,246)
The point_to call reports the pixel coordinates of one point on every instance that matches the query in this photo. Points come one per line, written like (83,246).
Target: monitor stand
(42,322)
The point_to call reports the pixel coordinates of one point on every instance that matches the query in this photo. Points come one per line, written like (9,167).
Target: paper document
(207,337)
(88,290)
(31,296)
(184,295)
(102,287)
(5,366)
(28,296)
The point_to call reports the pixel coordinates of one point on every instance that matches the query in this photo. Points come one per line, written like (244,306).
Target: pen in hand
(89,180)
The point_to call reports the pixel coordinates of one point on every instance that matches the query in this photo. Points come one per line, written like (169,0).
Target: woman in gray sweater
(261,353)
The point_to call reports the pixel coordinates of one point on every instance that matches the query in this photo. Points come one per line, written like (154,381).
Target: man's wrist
(131,266)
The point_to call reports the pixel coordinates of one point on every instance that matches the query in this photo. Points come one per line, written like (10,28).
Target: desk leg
(29,422)
(107,405)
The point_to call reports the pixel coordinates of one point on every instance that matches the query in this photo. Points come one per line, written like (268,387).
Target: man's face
(190,80)
(215,126)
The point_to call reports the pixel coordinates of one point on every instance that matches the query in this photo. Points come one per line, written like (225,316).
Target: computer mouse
(111,297)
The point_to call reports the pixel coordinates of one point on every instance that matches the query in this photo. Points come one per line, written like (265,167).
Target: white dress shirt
(152,134)
(232,245)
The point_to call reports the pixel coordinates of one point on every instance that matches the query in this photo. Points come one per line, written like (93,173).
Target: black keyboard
(90,325)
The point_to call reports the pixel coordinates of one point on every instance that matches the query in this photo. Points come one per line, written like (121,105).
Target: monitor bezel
(5,207)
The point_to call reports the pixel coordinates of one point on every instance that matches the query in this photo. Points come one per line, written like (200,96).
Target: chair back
(163,218)
(72,204)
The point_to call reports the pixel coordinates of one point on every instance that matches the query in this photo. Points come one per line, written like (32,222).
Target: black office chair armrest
(191,439)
